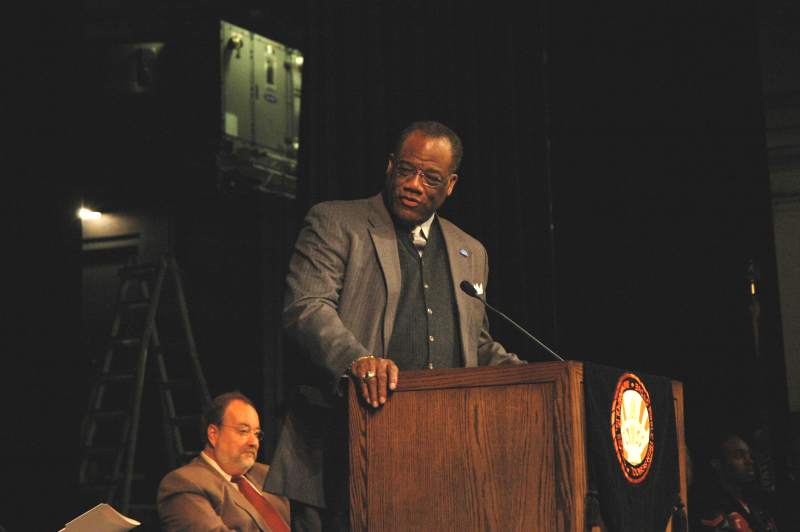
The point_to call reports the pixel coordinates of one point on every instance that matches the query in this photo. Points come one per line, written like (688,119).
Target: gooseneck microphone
(472,291)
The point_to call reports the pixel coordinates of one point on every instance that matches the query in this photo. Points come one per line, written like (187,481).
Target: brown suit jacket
(196,498)
(342,293)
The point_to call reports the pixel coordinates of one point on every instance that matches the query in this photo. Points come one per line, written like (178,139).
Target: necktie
(267,511)
(419,239)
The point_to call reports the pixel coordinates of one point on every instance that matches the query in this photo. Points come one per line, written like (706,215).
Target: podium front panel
(496,448)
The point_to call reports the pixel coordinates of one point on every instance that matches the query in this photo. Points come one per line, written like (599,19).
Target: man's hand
(374,375)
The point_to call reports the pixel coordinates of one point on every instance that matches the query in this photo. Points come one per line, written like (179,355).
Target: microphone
(472,291)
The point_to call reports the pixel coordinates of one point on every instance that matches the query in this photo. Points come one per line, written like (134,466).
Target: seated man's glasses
(244,431)
(429,179)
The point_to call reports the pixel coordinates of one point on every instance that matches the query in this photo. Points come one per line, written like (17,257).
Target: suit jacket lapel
(381,230)
(245,505)
(238,499)
(460,270)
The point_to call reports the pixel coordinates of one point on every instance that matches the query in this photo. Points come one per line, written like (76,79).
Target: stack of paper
(101,518)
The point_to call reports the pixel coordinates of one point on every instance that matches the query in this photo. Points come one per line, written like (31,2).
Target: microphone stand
(472,292)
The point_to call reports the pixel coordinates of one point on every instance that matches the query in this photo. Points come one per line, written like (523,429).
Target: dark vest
(426,332)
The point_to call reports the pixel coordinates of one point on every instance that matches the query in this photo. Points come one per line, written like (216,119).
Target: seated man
(221,489)
(727,503)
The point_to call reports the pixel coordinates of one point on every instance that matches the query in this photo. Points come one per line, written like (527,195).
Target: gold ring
(369,375)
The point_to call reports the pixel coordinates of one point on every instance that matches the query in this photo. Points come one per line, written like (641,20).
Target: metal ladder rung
(135,304)
(139,271)
(127,342)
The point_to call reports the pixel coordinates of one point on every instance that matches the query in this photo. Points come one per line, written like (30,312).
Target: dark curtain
(374,67)
(662,197)
(656,177)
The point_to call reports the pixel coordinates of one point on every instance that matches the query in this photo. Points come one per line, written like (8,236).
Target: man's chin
(408,217)
(247,461)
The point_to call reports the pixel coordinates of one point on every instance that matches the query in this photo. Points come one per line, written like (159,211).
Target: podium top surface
(488,375)
(484,376)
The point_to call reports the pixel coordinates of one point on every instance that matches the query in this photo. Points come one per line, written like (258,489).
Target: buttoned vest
(426,332)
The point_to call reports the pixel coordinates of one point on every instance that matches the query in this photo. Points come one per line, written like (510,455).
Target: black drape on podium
(624,505)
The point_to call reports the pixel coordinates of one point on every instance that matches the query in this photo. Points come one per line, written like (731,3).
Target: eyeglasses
(429,179)
(244,431)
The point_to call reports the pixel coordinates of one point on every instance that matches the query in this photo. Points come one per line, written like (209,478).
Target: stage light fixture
(88,214)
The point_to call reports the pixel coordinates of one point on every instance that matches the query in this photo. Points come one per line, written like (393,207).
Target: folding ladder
(144,324)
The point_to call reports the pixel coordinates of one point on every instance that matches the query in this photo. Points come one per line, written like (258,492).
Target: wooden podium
(492,448)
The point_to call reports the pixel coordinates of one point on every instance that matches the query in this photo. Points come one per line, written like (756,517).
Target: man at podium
(372,290)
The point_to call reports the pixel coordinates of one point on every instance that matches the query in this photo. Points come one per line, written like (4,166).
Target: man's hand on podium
(375,376)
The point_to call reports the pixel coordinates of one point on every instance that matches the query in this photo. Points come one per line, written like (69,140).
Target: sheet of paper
(101,518)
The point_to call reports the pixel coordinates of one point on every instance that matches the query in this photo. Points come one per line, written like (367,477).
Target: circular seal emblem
(632,428)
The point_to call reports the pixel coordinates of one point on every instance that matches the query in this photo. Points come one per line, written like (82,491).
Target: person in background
(222,488)
(727,501)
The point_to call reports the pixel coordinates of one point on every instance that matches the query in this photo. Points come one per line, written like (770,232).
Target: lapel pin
(463,252)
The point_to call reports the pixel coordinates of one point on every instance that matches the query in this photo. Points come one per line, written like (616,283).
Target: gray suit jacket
(342,292)
(195,497)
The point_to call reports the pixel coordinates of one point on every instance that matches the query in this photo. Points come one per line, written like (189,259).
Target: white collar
(426,226)
(213,463)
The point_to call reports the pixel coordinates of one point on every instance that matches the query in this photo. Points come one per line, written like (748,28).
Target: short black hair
(215,410)
(435,130)
(719,441)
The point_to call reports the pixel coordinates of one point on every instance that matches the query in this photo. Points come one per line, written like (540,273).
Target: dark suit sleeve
(492,353)
(313,285)
(183,506)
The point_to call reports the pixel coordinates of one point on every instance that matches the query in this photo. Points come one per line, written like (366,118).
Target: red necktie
(267,511)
